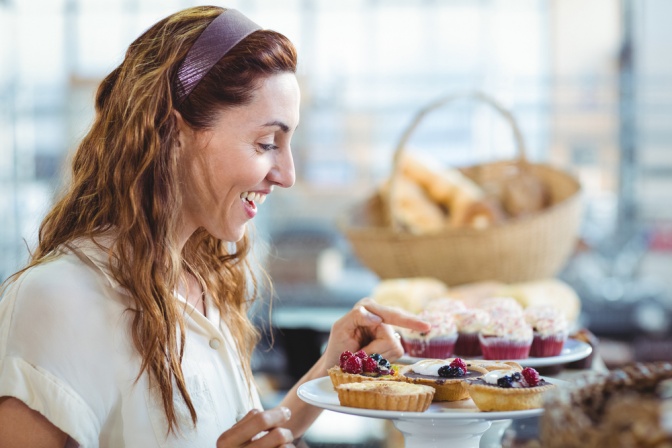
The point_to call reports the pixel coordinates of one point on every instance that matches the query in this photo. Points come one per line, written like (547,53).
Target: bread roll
(410,294)
(464,201)
(550,292)
(414,210)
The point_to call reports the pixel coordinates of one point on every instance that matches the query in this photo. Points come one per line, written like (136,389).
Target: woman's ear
(183,131)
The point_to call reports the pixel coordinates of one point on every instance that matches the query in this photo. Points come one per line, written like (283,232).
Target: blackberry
(450,371)
(505,382)
(517,376)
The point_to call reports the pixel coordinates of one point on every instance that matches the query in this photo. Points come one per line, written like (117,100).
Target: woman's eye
(267,146)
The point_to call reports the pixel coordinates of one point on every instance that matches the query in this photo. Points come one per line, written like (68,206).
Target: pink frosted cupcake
(469,324)
(507,338)
(438,342)
(549,328)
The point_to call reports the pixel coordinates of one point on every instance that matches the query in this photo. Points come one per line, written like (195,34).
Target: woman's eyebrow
(279,124)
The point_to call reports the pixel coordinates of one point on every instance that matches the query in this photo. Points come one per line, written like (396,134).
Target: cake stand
(458,424)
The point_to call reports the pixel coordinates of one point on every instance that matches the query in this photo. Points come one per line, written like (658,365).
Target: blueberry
(384,364)
(376,356)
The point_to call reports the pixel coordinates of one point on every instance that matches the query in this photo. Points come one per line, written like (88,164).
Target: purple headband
(223,33)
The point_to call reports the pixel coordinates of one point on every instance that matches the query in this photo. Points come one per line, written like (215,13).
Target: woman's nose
(283,174)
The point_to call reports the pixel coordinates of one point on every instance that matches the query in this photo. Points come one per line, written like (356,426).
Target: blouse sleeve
(54,338)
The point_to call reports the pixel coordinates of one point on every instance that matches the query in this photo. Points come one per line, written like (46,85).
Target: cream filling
(492,377)
(428,367)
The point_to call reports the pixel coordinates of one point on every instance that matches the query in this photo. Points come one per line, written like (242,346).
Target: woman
(129,326)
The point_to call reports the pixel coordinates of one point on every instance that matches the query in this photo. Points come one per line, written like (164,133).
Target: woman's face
(227,171)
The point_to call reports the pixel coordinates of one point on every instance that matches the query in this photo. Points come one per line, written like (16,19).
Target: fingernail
(374,318)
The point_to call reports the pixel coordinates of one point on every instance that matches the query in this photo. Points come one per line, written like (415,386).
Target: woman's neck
(192,291)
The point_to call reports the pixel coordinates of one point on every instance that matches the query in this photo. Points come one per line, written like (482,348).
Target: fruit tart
(446,376)
(507,390)
(357,367)
(385,395)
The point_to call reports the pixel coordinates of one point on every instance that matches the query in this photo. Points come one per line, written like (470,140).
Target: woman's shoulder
(60,292)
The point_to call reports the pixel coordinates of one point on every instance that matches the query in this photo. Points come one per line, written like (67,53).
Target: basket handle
(420,115)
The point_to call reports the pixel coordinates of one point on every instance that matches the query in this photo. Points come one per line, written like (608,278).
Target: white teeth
(253,197)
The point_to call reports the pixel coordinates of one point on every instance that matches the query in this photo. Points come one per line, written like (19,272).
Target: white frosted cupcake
(509,338)
(469,323)
(445,305)
(549,328)
(500,307)
(438,342)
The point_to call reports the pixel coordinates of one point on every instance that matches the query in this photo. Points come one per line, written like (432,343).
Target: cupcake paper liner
(494,347)
(439,348)
(545,346)
(467,345)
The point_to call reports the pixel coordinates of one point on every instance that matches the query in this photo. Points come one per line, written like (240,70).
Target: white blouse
(66,352)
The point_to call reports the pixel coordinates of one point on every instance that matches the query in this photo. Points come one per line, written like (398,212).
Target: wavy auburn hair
(124,179)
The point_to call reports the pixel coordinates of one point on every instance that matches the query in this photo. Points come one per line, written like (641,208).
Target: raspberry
(353,365)
(459,362)
(531,376)
(370,365)
(361,354)
(344,357)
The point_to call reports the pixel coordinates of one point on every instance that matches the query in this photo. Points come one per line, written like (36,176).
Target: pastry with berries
(358,366)
(507,390)
(385,395)
(446,376)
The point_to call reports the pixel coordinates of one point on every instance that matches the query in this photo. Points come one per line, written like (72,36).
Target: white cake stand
(458,424)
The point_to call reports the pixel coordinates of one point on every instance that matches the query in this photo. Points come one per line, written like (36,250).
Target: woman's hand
(369,327)
(259,429)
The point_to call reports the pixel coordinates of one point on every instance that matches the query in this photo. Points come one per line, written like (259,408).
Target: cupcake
(445,305)
(504,390)
(386,396)
(358,367)
(446,376)
(497,306)
(438,342)
(549,328)
(469,323)
(506,338)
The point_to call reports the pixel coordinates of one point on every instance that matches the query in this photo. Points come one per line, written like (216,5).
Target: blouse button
(214,343)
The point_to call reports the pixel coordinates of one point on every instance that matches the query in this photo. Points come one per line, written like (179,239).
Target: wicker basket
(522,249)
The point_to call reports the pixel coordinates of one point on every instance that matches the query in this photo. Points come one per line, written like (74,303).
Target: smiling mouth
(253,197)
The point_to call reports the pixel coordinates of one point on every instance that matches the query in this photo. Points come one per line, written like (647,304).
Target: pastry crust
(497,365)
(492,398)
(447,389)
(339,377)
(386,396)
